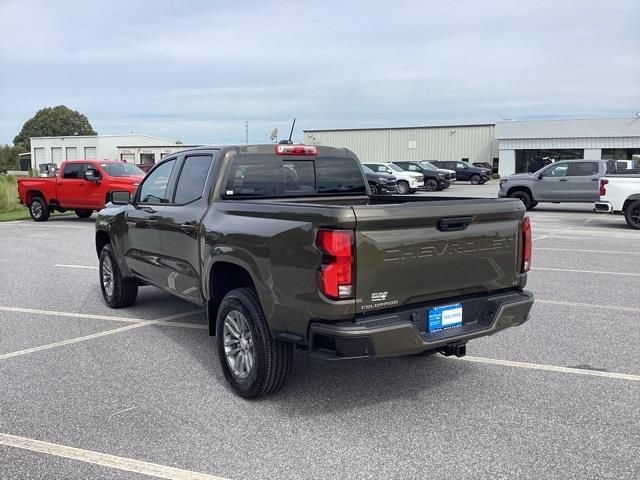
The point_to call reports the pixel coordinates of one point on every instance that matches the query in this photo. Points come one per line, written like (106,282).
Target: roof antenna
(289,142)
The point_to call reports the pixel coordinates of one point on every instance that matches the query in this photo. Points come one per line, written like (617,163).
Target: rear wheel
(475,179)
(253,362)
(117,290)
(403,187)
(524,197)
(374,189)
(38,209)
(632,214)
(431,185)
(84,213)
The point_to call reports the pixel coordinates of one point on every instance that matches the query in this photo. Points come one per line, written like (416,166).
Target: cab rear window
(262,176)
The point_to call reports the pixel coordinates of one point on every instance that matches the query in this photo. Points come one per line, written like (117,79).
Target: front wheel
(253,362)
(117,290)
(431,185)
(524,197)
(475,179)
(83,213)
(374,189)
(632,214)
(39,210)
(403,187)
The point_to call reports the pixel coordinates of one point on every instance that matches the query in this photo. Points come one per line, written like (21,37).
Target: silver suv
(564,181)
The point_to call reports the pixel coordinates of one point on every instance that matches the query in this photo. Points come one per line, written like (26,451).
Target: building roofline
(415,127)
(109,135)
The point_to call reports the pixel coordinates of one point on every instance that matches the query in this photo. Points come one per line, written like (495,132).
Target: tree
(53,122)
(9,157)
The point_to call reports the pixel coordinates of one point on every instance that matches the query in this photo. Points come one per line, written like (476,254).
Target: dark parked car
(464,171)
(486,165)
(285,248)
(380,182)
(434,179)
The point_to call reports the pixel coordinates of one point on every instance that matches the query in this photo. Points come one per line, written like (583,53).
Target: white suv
(408,182)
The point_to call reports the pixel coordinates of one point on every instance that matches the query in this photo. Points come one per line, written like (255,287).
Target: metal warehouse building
(133,148)
(510,146)
(474,143)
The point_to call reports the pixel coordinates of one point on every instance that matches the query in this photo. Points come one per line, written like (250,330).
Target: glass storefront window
(533,160)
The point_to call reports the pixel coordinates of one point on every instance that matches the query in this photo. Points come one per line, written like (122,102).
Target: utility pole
(246,131)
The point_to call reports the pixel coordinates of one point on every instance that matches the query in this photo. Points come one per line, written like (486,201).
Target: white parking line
(613,252)
(70,341)
(86,316)
(591,306)
(552,368)
(103,459)
(624,274)
(90,267)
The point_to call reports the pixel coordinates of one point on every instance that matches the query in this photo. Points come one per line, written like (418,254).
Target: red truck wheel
(84,213)
(39,210)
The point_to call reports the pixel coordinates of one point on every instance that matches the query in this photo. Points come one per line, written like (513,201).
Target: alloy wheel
(238,344)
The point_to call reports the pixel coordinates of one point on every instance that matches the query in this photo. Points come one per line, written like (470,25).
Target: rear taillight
(527,241)
(603,186)
(296,150)
(335,277)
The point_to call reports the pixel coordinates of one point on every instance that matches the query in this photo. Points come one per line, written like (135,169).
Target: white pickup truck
(621,194)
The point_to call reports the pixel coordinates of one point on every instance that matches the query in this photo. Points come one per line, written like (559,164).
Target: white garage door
(90,153)
(72,153)
(38,153)
(56,155)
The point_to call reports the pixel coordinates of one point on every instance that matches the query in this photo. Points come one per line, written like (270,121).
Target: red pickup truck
(81,185)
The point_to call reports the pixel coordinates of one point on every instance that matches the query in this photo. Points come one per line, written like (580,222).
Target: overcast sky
(196,70)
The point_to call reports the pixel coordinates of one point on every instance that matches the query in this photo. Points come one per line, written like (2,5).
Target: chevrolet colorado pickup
(621,194)
(286,248)
(82,186)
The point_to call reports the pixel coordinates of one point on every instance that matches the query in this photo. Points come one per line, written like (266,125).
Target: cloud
(196,70)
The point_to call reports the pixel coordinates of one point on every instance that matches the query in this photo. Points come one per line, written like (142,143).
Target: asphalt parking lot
(90,392)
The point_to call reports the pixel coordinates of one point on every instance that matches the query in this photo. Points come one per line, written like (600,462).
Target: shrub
(8,193)
(495,176)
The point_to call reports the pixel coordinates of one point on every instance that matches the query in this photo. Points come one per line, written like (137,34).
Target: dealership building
(132,148)
(509,146)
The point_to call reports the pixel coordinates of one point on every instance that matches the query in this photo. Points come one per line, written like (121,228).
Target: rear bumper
(603,207)
(405,332)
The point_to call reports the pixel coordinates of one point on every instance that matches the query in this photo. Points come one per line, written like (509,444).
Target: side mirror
(91,176)
(120,197)
(540,176)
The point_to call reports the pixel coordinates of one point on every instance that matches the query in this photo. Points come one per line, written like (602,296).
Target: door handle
(187,228)
(595,179)
(563,179)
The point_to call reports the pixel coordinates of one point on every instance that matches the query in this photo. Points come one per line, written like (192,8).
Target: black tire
(271,359)
(475,179)
(431,185)
(122,291)
(632,214)
(374,189)
(524,197)
(403,187)
(84,213)
(39,210)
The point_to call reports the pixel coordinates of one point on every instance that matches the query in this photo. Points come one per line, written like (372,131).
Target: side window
(192,177)
(583,169)
(450,165)
(412,168)
(88,167)
(154,187)
(559,170)
(462,166)
(73,170)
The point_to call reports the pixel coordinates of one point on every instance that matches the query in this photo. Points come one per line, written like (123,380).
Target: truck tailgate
(426,251)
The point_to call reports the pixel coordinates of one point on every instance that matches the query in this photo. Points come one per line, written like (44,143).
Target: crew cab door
(553,186)
(93,192)
(142,247)
(584,181)
(462,171)
(70,184)
(179,226)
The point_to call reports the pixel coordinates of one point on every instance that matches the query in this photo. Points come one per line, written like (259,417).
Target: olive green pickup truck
(286,248)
